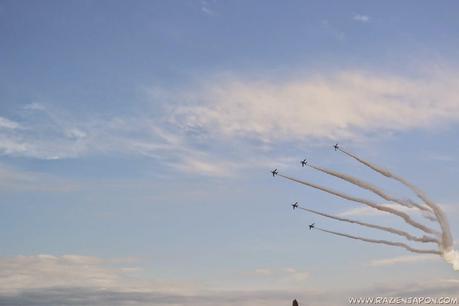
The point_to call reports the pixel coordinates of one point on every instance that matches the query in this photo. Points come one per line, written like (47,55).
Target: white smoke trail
(448,252)
(408,236)
(390,210)
(452,257)
(370,187)
(391,243)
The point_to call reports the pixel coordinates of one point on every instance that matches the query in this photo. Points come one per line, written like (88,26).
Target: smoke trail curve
(390,210)
(447,240)
(370,187)
(408,236)
(391,243)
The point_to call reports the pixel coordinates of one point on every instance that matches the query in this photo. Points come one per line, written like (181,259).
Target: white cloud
(263,271)
(35,107)
(49,271)
(195,164)
(212,128)
(345,105)
(12,179)
(206,8)
(331,29)
(285,276)
(61,136)
(450,280)
(408,259)
(41,271)
(58,135)
(440,157)
(76,280)
(8,124)
(361,18)
(207,11)
(12,146)
(86,280)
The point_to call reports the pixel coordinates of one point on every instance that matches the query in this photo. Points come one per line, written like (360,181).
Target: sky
(136,140)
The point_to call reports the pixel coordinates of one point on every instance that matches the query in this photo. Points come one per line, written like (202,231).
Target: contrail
(429,217)
(447,240)
(447,245)
(370,187)
(391,243)
(380,170)
(390,210)
(383,228)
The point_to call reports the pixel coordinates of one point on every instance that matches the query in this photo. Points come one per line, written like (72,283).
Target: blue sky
(136,140)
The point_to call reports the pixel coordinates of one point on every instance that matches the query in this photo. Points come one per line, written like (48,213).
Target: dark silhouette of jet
(274,172)
(336,146)
(311,226)
(295,303)
(295,205)
(304,162)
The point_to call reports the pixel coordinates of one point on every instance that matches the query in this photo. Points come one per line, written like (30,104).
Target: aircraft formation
(412,209)
(303,163)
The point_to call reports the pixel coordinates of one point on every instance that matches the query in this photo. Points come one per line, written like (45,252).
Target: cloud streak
(12,179)
(210,128)
(345,105)
(402,260)
(361,18)
(8,124)
(72,280)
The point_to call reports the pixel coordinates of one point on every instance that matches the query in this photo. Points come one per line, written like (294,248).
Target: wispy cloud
(44,271)
(34,106)
(8,124)
(78,271)
(284,275)
(57,135)
(210,129)
(206,7)
(409,259)
(103,297)
(86,280)
(12,179)
(335,31)
(440,157)
(361,18)
(346,105)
